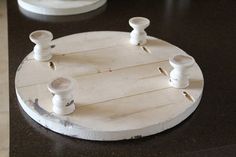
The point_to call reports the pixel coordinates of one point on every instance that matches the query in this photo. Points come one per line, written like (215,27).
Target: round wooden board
(60,7)
(120,92)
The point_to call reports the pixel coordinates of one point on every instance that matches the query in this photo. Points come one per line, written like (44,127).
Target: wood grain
(120,91)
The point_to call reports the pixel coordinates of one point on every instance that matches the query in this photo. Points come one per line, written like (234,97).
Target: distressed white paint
(121,93)
(60,7)
(63,101)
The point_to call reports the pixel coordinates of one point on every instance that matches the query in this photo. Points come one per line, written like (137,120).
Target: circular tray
(60,7)
(122,91)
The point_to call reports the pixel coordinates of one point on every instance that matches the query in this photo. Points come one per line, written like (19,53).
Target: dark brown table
(206,29)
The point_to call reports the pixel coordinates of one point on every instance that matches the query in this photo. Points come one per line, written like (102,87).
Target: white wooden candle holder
(42,49)
(60,7)
(63,101)
(138,35)
(179,77)
(123,90)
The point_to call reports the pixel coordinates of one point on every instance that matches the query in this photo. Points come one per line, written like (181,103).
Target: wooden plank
(4,82)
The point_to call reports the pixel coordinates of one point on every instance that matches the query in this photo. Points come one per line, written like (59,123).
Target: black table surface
(206,29)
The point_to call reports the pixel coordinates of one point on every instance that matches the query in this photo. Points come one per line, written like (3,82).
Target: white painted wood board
(119,93)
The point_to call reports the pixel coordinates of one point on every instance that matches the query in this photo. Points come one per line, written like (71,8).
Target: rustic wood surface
(120,91)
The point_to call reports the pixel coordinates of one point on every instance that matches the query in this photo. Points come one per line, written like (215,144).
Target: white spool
(179,77)
(63,102)
(42,49)
(138,36)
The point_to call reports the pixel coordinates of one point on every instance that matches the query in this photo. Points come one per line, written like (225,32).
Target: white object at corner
(179,77)
(138,36)
(42,49)
(60,7)
(63,101)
